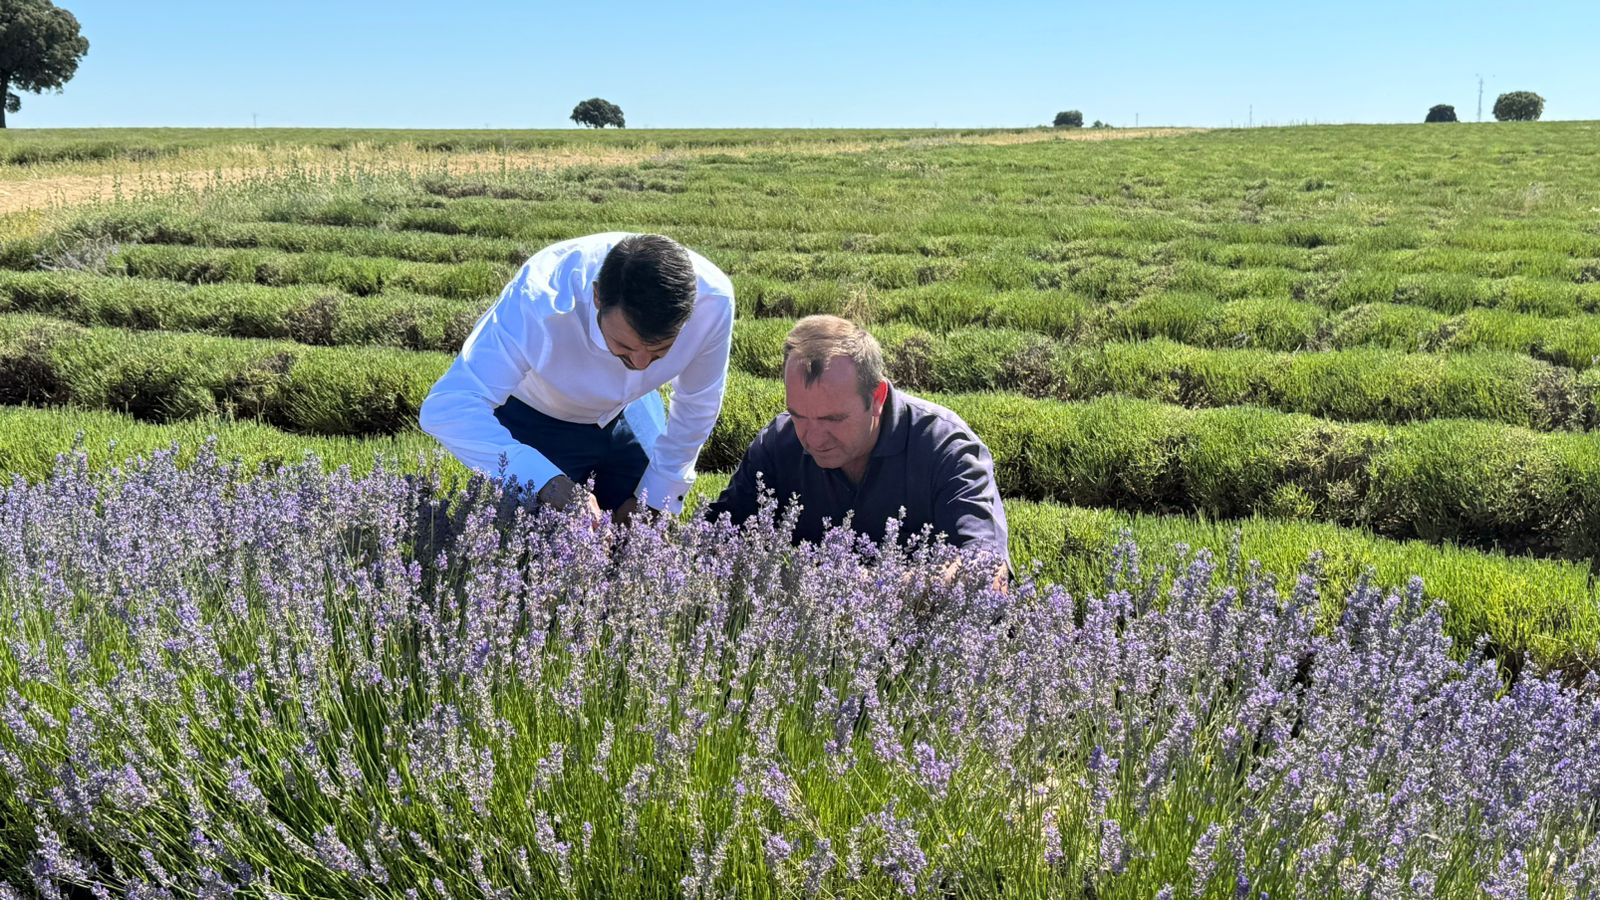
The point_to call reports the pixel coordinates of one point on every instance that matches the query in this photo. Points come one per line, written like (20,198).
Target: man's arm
(966,500)
(459,411)
(696,401)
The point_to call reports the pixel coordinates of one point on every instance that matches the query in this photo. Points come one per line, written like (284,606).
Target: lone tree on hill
(1519,106)
(1444,112)
(1069,119)
(597,113)
(39,50)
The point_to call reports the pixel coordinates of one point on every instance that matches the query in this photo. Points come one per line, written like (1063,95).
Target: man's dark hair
(651,279)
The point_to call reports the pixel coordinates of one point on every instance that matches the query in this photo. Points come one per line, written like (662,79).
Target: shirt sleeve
(966,502)
(696,401)
(508,342)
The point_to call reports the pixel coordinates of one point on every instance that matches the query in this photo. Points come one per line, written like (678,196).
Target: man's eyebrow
(630,348)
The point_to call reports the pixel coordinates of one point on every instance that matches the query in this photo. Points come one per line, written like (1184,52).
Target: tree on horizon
(40,46)
(597,113)
(1518,106)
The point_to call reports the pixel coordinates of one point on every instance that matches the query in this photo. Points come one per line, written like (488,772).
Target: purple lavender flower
(179,644)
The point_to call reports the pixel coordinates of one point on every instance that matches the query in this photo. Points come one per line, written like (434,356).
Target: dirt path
(17,195)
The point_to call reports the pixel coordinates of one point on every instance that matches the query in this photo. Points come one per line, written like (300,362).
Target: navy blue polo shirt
(926,460)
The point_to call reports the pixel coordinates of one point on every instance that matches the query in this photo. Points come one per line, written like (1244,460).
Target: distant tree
(1100,124)
(1444,112)
(1519,106)
(1069,119)
(39,50)
(597,113)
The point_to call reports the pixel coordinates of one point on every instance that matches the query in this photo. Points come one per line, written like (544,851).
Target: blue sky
(501,64)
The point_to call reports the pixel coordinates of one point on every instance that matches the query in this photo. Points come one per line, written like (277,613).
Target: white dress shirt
(541,343)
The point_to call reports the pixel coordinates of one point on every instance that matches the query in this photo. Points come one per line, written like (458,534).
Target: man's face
(624,342)
(830,419)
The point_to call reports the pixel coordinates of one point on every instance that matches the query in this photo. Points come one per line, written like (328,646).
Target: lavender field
(1297,433)
(315,684)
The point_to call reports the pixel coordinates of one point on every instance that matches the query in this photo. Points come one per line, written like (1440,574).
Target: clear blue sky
(506,64)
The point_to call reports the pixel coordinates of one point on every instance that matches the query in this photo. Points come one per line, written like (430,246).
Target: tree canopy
(1519,106)
(40,46)
(597,113)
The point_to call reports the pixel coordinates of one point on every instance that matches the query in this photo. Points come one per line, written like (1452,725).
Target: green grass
(1482,483)
(1353,385)
(359,275)
(27,146)
(308,314)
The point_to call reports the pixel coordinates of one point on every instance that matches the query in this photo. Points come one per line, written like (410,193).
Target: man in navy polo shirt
(851,443)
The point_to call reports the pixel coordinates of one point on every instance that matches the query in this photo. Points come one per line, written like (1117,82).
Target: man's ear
(879,395)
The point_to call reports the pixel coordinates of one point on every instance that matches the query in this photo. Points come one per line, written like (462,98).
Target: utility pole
(252,120)
(1252,119)
(1480,98)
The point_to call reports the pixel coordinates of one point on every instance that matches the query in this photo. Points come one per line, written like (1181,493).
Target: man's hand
(562,492)
(628,509)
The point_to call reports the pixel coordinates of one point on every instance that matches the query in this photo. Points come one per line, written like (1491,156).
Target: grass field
(1370,349)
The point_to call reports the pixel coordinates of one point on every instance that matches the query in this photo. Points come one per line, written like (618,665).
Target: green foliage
(1069,119)
(1518,106)
(165,377)
(307,314)
(359,275)
(1235,461)
(597,113)
(1111,451)
(49,145)
(40,46)
(1443,112)
(1362,384)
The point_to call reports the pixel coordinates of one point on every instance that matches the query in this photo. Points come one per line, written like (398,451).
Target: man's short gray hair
(817,340)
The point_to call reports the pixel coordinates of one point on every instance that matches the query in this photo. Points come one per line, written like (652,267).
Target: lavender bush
(218,682)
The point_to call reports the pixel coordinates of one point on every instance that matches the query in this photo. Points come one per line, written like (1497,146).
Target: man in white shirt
(558,381)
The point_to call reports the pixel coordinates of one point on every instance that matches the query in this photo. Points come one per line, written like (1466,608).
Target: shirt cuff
(659,491)
(532,469)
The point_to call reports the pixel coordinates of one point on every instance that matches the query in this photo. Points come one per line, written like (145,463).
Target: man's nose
(641,359)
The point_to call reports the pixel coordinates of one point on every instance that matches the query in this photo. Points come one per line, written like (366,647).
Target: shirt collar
(894,429)
(593,312)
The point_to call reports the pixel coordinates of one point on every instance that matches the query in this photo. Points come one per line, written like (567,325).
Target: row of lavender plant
(215,681)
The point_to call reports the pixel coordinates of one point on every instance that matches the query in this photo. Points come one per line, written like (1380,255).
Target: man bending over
(559,379)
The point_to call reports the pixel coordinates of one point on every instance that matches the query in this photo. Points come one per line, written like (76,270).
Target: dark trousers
(610,454)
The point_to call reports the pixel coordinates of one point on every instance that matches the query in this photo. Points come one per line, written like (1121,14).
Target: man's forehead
(824,397)
(838,370)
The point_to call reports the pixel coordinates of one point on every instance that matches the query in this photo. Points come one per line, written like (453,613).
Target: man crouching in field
(851,443)
(559,379)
